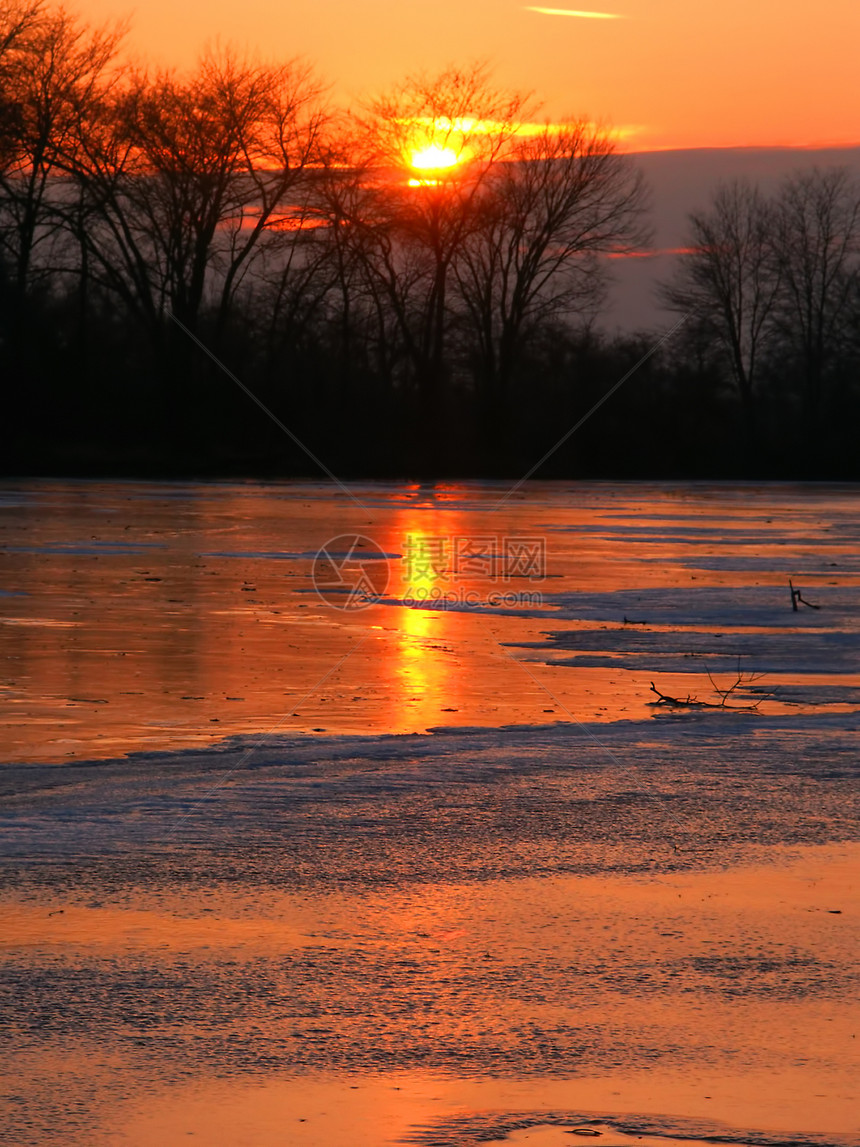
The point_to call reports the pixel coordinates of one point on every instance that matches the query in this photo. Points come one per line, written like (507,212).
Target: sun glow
(434,158)
(429,161)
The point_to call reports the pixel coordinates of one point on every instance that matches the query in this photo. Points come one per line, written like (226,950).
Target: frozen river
(354,819)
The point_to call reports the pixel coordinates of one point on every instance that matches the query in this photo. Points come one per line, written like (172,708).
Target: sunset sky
(668,73)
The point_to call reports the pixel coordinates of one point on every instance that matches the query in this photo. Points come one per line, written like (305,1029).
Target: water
(273,871)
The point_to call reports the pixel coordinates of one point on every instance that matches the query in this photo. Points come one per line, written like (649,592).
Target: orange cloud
(466,126)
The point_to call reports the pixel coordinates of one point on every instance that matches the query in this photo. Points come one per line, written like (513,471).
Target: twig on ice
(689,702)
(796,597)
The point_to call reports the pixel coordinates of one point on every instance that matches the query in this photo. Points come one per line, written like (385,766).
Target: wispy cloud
(652,254)
(574,12)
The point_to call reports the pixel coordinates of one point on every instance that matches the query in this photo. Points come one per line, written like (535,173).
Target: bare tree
(18,20)
(431,144)
(817,243)
(369,289)
(60,68)
(561,199)
(187,177)
(730,280)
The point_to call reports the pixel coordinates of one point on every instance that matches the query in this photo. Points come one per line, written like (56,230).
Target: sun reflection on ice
(425,675)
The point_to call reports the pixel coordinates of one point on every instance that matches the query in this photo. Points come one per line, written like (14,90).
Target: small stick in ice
(796,597)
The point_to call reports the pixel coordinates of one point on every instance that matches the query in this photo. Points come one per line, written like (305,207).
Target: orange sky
(680,73)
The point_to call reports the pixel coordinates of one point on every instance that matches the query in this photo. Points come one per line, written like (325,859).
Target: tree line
(412,288)
(772,286)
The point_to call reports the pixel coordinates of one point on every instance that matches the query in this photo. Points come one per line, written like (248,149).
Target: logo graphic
(350,572)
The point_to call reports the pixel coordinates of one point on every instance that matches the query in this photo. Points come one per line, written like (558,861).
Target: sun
(430,161)
(434,158)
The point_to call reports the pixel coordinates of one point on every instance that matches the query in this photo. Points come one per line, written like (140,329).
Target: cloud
(574,12)
(653,254)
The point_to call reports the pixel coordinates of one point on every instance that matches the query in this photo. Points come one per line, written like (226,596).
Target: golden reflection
(424,669)
(419,671)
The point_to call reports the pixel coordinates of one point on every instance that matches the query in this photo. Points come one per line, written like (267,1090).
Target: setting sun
(434,158)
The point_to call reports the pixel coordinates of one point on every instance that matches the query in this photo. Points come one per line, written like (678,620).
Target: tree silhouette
(18,21)
(561,199)
(730,280)
(187,177)
(817,243)
(414,221)
(59,70)
(416,288)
